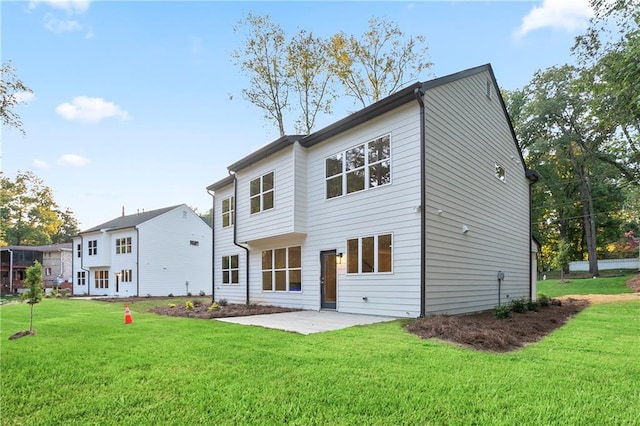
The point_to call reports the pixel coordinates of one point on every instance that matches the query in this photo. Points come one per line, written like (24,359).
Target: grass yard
(85,366)
(609,285)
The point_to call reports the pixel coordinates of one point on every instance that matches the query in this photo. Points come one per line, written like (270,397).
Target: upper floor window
(369,254)
(228,206)
(261,193)
(230,269)
(282,269)
(93,247)
(79,249)
(123,245)
(362,167)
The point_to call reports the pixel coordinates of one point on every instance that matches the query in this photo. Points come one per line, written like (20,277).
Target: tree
(33,295)
(29,214)
(12,92)
(263,60)
(379,63)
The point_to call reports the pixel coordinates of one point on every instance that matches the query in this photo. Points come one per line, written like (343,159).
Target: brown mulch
(20,334)
(230,310)
(634,283)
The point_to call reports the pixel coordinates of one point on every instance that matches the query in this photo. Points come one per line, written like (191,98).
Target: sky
(139,104)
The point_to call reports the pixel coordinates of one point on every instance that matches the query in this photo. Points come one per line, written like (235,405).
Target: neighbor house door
(328,279)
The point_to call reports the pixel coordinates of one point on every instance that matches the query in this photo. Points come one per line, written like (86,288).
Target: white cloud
(69,6)
(90,110)
(40,164)
(564,15)
(72,160)
(62,26)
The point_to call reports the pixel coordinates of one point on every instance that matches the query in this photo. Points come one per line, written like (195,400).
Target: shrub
(172,305)
(188,304)
(544,300)
(214,307)
(189,294)
(201,293)
(519,306)
(197,303)
(503,311)
(223,302)
(533,305)
(170,294)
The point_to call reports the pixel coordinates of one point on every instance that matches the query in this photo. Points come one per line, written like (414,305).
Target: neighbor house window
(500,172)
(81,278)
(261,193)
(359,168)
(79,249)
(101,279)
(93,247)
(123,245)
(228,206)
(126,276)
(194,243)
(230,270)
(47,271)
(369,254)
(282,269)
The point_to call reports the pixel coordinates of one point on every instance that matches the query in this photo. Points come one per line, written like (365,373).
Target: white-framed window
(261,193)
(230,269)
(101,279)
(126,276)
(93,247)
(282,269)
(500,172)
(79,249)
(123,245)
(81,278)
(370,254)
(47,272)
(362,167)
(228,207)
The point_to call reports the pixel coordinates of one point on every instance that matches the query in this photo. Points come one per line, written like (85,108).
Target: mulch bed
(230,310)
(483,331)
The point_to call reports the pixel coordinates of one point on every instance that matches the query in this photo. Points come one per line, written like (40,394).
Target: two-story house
(417,204)
(156,253)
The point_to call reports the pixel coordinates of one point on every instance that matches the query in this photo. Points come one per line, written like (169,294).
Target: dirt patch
(634,283)
(231,310)
(20,334)
(484,332)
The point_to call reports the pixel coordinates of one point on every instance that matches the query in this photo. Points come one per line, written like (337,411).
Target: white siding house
(156,253)
(417,204)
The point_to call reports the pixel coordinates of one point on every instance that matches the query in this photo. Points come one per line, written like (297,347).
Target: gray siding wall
(466,133)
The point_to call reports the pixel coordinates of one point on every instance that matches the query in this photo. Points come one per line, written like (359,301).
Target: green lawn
(85,366)
(609,285)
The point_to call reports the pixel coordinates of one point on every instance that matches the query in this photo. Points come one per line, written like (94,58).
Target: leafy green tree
(379,62)
(35,290)
(29,214)
(562,258)
(12,90)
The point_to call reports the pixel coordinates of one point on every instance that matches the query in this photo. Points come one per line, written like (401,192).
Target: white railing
(583,265)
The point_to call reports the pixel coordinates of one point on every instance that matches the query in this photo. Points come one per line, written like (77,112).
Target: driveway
(308,322)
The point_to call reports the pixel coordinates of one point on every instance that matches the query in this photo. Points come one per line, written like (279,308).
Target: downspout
(533,177)
(137,261)
(235,229)
(213,245)
(423,201)
(88,277)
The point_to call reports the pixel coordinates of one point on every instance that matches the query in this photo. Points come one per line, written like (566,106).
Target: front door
(328,279)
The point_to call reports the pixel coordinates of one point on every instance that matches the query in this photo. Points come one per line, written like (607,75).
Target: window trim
(101,276)
(123,245)
(230,269)
(376,254)
(230,213)
(81,278)
(287,270)
(261,193)
(366,168)
(93,247)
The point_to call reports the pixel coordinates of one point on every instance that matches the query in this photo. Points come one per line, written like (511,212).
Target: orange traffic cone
(127,315)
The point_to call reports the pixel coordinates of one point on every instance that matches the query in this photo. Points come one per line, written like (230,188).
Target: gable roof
(129,221)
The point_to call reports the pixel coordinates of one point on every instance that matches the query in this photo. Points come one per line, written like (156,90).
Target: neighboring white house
(417,204)
(157,253)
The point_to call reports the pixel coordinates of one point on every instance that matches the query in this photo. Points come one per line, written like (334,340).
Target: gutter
(418,93)
(213,244)
(235,228)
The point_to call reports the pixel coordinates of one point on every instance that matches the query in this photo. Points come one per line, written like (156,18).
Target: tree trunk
(31,319)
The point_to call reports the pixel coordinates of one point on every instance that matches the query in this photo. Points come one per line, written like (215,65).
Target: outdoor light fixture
(339,259)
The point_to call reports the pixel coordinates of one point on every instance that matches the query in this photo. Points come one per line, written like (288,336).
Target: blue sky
(138,104)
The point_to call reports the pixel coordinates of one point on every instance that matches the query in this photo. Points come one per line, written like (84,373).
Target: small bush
(556,302)
(201,293)
(533,305)
(197,303)
(214,307)
(172,305)
(503,311)
(544,300)
(223,302)
(188,304)
(519,306)
(189,294)
(171,295)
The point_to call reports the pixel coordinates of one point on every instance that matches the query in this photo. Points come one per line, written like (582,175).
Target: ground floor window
(369,254)
(101,279)
(126,276)
(282,269)
(81,278)
(230,270)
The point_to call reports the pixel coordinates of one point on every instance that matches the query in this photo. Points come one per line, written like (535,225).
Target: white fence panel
(583,265)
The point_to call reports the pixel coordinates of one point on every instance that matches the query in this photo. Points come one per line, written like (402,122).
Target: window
(282,269)
(500,172)
(126,276)
(47,271)
(79,249)
(101,279)
(194,243)
(371,254)
(123,245)
(228,207)
(362,167)
(82,278)
(93,247)
(230,270)
(261,193)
